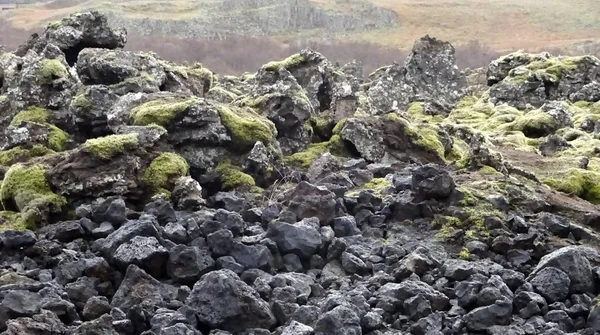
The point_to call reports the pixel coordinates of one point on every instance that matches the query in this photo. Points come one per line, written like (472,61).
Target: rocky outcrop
(144,197)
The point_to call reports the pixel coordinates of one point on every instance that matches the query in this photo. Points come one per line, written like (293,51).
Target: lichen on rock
(50,70)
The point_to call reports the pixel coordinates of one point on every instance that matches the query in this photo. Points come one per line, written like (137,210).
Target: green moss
(203,74)
(3,98)
(287,63)
(376,185)
(466,102)
(582,183)
(428,139)
(459,154)
(50,70)
(160,112)
(54,25)
(82,102)
(57,138)
(28,189)
(555,67)
(31,114)
(246,127)
(582,104)
(488,170)
(163,168)
(14,155)
(221,91)
(13,221)
(416,112)
(338,127)
(108,146)
(464,254)
(322,126)
(305,158)
(232,176)
(535,122)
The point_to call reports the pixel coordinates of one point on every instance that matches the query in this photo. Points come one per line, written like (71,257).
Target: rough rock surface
(145,197)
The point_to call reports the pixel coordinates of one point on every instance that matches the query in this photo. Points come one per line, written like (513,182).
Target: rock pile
(145,197)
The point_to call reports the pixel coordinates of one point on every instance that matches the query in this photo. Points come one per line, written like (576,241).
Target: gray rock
(572,261)
(22,303)
(482,318)
(145,252)
(297,328)
(220,242)
(410,288)
(309,201)
(187,264)
(345,226)
(11,239)
(221,300)
(339,321)
(432,181)
(552,283)
(252,256)
(139,288)
(96,307)
(301,238)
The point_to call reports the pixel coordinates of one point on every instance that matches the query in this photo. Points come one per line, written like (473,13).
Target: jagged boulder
(75,33)
(429,74)
(120,68)
(527,81)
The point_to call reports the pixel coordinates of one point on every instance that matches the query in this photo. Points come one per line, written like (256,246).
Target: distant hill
(502,24)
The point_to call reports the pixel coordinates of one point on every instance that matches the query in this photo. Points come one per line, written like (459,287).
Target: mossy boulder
(37,121)
(246,127)
(108,146)
(232,177)
(306,157)
(31,114)
(159,112)
(582,183)
(26,190)
(163,170)
(19,154)
(50,70)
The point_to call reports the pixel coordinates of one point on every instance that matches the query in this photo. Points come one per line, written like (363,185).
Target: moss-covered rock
(81,102)
(31,114)
(232,177)
(246,127)
(18,154)
(108,146)
(50,70)
(166,167)
(160,112)
(25,188)
(13,221)
(305,158)
(376,185)
(582,183)
(286,63)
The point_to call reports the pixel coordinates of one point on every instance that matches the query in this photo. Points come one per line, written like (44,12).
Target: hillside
(144,197)
(504,25)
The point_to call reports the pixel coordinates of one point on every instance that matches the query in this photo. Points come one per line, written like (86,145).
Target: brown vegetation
(240,54)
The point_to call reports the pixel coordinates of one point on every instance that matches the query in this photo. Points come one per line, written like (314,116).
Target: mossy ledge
(246,127)
(162,169)
(160,112)
(108,146)
(582,183)
(31,114)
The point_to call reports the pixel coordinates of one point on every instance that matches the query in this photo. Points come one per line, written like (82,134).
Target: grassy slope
(502,24)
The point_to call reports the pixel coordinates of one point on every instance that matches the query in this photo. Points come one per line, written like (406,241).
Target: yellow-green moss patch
(232,177)
(464,254)
(3,98)
(14,155)
(31,114)
(286,63)
(305,158)
(13,221)
(582,183)
(82,102)
(246,127)
(160,112)
(50,70)
(108,146)
(165,167)
(27,187)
